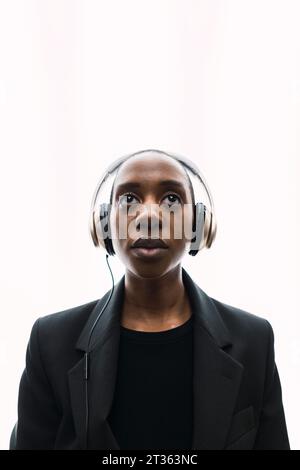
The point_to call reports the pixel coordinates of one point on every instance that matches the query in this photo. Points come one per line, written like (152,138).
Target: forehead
(150,169)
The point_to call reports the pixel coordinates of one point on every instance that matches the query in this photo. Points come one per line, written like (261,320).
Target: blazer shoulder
(242,322)
(68,321)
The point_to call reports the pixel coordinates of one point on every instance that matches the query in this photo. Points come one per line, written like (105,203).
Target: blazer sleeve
(38,415)
(272,432)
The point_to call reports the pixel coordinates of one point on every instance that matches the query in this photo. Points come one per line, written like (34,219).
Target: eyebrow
(137,184)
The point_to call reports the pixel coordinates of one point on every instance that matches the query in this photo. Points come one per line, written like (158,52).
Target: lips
(149,243)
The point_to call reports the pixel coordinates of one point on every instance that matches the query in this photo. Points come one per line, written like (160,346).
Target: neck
(155,304)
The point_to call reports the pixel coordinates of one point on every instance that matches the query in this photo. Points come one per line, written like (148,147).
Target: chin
(148,270)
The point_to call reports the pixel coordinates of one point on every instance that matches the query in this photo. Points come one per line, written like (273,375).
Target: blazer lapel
(217,380)
(103,361)
(217,375)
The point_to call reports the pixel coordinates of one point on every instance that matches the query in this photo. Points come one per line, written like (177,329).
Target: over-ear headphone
(204,219)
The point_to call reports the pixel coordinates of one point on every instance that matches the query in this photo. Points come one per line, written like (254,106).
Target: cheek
(179,224)
(188,221)
(114,227)
(118,224)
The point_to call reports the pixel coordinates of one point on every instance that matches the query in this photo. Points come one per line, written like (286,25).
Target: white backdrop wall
(85,82)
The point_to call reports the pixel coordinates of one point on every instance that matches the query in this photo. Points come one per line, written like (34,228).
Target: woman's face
(151,200)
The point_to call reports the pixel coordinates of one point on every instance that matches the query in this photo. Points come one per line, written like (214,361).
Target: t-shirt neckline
(158,336)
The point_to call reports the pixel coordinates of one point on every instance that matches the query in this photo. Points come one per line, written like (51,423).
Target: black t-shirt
(153,401)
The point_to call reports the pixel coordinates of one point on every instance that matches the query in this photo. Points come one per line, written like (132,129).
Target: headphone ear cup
(105,230)
(93,229)
(199,220)
(211,231)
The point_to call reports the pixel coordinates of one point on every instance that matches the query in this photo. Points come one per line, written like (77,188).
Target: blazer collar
(201,304)
(217,375)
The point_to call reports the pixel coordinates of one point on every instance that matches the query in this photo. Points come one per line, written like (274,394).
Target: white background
(85,82)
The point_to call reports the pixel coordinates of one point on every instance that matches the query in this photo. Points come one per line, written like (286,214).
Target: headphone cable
(86,356)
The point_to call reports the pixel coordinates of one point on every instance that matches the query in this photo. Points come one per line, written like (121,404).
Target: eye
(126,199)
(172,198)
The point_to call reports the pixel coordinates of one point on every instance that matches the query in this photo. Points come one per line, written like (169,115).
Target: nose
(148,221)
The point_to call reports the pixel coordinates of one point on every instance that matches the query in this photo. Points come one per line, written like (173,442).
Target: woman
(164,366)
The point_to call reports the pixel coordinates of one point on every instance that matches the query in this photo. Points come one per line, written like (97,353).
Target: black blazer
(237,391)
